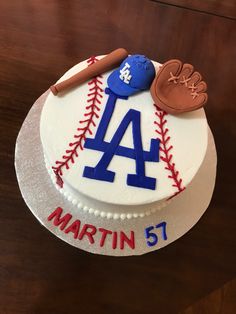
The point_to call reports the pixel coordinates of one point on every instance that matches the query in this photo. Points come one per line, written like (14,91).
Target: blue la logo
(113,147)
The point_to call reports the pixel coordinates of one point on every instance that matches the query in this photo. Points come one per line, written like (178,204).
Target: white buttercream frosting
(60,119)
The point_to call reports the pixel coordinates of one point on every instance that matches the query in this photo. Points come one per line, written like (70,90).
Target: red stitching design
(85,126)
(165,149)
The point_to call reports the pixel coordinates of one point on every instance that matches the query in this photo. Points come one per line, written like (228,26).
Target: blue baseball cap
(135,73)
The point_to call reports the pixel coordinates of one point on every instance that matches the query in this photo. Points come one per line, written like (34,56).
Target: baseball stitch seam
(94,96)
(165,149)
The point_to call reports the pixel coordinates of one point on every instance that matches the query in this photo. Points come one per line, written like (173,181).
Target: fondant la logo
(109,149)
(125,73)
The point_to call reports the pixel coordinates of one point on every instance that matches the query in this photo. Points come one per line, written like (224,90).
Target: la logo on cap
(125,73)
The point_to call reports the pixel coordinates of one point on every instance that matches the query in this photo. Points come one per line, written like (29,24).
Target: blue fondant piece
(103,125)
(151,155)
(162,225)
(100,172)
(135,73)
(150,235)
(141,181)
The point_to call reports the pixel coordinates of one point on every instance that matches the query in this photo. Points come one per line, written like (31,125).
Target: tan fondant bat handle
(105,64)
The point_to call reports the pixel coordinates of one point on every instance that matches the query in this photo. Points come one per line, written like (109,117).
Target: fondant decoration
(88,232)
(177,88)
(132,117)
(151,233)
(183,137)
(125,73)
(135,74)
(109,62)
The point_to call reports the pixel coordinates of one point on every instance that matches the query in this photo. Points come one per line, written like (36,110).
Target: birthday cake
(113,151)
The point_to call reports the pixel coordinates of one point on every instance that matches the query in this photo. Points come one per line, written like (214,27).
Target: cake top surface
(172,147)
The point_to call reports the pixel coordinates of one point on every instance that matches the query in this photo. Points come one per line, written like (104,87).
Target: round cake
(119,157)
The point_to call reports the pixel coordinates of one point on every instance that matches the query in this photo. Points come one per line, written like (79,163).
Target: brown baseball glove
(177,88)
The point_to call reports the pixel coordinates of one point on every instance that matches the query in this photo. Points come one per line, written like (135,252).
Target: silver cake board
(99,235)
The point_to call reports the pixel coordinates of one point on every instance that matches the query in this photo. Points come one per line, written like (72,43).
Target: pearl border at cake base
(93,233)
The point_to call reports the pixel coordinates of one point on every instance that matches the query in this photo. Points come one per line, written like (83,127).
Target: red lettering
(105,232)
(124,239)
(58,220)
(89,234)
(74,228)
(89,230)
(114,240)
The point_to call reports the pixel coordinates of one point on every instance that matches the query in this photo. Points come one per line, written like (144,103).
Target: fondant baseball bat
(105,64)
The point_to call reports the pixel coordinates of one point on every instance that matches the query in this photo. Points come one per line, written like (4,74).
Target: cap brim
(119,87)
